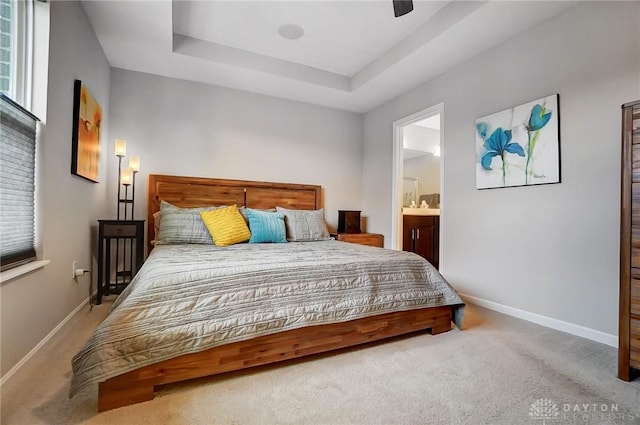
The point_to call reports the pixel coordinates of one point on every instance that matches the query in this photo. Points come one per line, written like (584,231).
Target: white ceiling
(354,55)
(336,37)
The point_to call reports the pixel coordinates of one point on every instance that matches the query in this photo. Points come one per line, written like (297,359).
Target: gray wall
(551,250)
(185,128)
(32,305)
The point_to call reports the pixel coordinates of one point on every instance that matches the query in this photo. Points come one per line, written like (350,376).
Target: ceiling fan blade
(402,7)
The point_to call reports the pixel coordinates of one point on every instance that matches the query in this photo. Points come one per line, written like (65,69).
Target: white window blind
(17,183)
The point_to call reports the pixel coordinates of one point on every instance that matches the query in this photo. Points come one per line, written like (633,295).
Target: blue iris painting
(500,144)
(537,120)
(519,146)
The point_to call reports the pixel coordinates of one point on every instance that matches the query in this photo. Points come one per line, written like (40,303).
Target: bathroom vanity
(421,233)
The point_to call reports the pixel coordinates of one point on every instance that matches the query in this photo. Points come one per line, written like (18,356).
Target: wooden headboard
(192,192)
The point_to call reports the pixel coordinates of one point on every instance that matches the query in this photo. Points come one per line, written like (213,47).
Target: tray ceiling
(354,55)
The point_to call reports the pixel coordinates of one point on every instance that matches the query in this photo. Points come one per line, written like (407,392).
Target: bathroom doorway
(418,181)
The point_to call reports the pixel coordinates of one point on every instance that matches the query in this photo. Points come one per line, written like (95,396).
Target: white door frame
(396,190)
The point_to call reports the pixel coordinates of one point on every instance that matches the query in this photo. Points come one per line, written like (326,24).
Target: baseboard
(549,322)
(35,349)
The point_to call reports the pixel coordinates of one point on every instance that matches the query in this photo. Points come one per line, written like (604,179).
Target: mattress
(189,298)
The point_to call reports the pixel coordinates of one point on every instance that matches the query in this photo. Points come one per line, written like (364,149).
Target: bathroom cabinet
(421,234)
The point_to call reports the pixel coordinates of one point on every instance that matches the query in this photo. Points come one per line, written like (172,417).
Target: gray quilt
(189,298)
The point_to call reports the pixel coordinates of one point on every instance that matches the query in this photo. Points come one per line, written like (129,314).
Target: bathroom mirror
(410,191)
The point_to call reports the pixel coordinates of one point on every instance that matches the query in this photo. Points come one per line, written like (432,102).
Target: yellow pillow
(226,226)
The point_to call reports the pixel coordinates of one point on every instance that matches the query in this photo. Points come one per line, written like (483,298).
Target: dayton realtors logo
(544,409)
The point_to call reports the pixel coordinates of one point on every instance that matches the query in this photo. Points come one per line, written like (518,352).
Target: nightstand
(371,239)
(120,241)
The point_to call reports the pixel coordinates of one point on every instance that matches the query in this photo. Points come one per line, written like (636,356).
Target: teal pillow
(266,226)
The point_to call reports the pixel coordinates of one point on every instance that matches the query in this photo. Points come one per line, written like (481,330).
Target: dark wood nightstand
(371,239)
(121,241)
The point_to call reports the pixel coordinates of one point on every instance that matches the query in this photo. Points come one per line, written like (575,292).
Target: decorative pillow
(266,226)
(182,225)
(226,225)
(245,215)
(305,225)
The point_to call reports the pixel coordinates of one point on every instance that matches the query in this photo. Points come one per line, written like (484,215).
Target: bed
(200,310)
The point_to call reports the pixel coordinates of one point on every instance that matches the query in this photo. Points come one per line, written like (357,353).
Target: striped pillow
(305,225)
(182,225)
(226,225)
(266,227)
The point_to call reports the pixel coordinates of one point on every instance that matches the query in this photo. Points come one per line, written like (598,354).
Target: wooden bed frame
(138,385)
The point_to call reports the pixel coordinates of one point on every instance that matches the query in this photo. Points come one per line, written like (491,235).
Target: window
(17,135)
(17,183)
(7,9)
(16,42)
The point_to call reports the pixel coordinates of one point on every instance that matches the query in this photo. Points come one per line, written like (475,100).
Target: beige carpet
(490,373)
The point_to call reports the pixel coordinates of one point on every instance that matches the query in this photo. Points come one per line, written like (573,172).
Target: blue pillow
(266,226)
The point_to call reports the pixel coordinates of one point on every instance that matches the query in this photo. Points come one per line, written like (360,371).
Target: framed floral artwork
(87,123)
(519,146)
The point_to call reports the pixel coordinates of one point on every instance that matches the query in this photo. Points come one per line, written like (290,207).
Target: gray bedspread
(189,298)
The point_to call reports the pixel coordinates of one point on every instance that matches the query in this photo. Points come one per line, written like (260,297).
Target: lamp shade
(126,175)
(121,147)
(134,163)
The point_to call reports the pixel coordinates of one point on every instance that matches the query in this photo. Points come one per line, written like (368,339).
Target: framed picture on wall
(87,125)
(519,146)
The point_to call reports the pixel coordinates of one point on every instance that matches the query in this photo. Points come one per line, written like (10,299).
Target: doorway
(418,148)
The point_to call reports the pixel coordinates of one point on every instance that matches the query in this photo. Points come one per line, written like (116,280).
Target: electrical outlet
(74,266)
